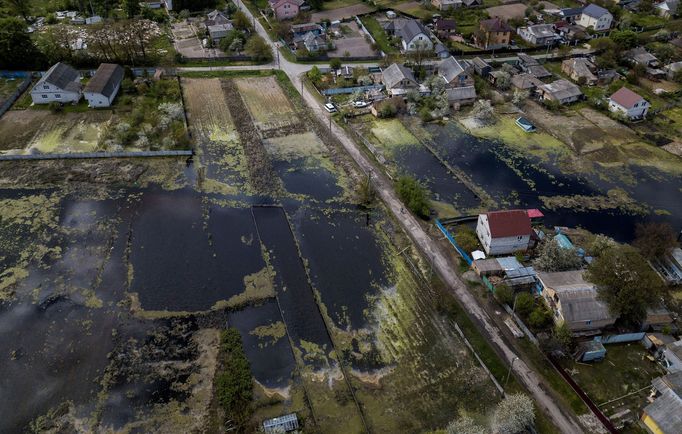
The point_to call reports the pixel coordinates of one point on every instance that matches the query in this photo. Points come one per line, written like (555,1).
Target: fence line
(344,90)
(94,155)
(461,251)
(15,96)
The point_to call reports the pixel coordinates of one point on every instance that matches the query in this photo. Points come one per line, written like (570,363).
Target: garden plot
(267,103)
(214,133)
(40,131)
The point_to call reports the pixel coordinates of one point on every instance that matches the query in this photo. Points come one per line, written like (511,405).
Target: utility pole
(510,369)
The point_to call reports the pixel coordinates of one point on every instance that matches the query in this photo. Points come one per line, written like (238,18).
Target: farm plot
(38,131)
(268,105)
(214,133)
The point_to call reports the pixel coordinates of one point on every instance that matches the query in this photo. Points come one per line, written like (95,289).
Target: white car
(360,104)
(330,107)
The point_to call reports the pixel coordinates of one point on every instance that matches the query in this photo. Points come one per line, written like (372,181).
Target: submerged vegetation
(233,383)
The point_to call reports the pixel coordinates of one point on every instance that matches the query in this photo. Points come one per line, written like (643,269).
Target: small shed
(591,351)
(286,423)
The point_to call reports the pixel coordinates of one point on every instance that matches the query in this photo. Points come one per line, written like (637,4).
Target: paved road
(429,247)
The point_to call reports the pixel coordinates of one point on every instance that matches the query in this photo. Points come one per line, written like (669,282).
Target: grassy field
(379,35)
(268,105)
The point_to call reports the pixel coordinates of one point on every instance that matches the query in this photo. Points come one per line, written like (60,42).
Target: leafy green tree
(504,294)
(540,317)
(131,8)
(226,42)
(20,7)
(240,21)
(257,48)
(467,239)
(524,304)
(625,39)
(335,64)
(563,336)
(626,283)
(234,385)
(654,240)
(414,196)
(553,257)
(17,50)
(314,74)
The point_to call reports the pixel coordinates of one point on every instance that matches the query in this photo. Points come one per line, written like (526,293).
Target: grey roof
(640,55)
(62,76)
(450,69)
(106,79)
(581,66)
(287,422)
(525,81)
(559,279)
(666,411)
(539,71)
(541,30)
(673,67)
(562,89)
(218,28)
(461,93)
(407,29)
(671,381)
(527,60)
(509,263)
(480,63)
(488,265)
(570,12)
(395,73)
(581,304)
(594,11)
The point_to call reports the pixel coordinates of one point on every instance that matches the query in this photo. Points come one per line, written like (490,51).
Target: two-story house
(398,79)
(504,232)
(413,35)
(595,17)
(493,33)
(628,103)
(538,34)
(456,73)
(286,9)
(61,83)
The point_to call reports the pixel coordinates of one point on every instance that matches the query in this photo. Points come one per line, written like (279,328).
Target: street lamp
(510,369)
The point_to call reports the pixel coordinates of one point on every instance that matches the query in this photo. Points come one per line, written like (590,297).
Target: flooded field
(127,270)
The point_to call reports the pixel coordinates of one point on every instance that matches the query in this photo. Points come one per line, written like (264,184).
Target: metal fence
(620,339)
(346,90)
(460,250)
(6,104)
(92,155)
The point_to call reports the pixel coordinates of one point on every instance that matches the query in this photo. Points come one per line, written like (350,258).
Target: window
(588,322)
(44,96)
(46,87)
(57,95)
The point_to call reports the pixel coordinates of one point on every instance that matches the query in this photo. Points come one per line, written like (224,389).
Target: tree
(626,283)
(563,336)
(21,7)
(418,55)
(524,303)
(132,8)
(231,36)
(504,294)
(540,317)
(464,425)
(600,244)
(514,414)
(335,64)
(654,240)
(413,195)
(17,50)
(624,39)
(503,81)
(466,238)
(241,21)
(553,257)
(314,74)
(258,49)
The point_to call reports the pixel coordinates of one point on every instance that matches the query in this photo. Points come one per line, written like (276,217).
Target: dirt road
(563,420)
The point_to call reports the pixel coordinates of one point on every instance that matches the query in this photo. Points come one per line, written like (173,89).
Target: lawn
(336,4)
(378,33)
(8,86)
(625,370)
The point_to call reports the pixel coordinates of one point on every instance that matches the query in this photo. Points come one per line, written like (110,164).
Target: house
(672,69)
(445,27)
(640,56)
(443,5)
(667,8)
(314,43)
(531,66)
(493,33)
(538,34)
(580,70)
(570,15)
(455,73)
(525,82)
(670,266)
(628,103)
(285,9)
(61,83)
(481,67)
(574,302)
(596,18)
(459,96)
(219,31)
(561,91)
(216,17)
(77,21)
(104,85)
(657,318)
(302,29)
(671,356)
(398,79)
(664,414)
(504,232)
(153,4)
(413,35)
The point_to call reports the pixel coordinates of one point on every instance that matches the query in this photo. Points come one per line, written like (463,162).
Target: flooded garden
(606,190)
(119,274)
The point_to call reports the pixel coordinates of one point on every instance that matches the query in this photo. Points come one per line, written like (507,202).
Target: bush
(414,196)
(504,294)
(234,385)
(55,107)
(539,318)
(467,239)
(524,304)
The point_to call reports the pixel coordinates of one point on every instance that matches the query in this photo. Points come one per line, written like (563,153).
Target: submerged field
(128,271)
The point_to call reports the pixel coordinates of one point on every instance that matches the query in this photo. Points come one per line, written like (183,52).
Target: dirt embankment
(261,174)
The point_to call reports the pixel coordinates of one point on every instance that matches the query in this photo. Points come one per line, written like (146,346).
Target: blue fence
(450,238)
(345,90)
(620,339)
(14,74)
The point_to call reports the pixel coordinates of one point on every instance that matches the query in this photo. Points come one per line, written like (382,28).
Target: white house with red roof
(286,9)
(504,232)
(629,103)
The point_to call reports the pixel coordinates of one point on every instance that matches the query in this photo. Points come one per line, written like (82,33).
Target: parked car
(330,107)
(360,104)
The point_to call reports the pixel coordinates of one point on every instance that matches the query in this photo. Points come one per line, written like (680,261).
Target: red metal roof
(625,97)
(509,223)
(534,213)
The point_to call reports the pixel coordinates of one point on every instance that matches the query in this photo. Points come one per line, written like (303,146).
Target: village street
(428,246)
